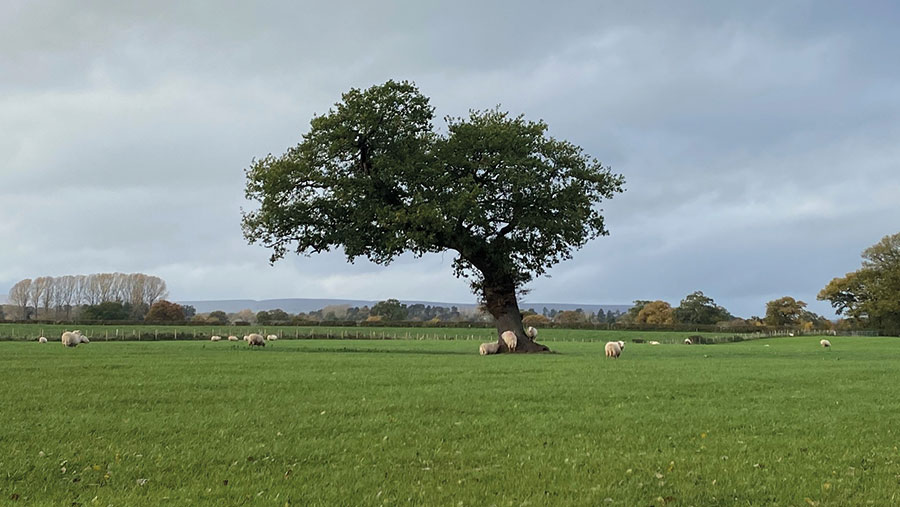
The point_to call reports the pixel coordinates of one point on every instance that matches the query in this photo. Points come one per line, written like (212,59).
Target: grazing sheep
(233,338)
(531,332)
(654,343)
(73,338)
(255,340)
(613,350)
(687,341)
(214,338)
(825,343)
(272,337)
(489,348)
(510,339)
(42,340)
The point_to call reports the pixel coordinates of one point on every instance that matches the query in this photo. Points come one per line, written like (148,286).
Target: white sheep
(531,332)
(489,348)
(613,350)
(255,340)
(272,337)
(687,341)
(73,338)
(215,338)
(233,338)
(510,339)
(654,343)
(42,340)
(825,343)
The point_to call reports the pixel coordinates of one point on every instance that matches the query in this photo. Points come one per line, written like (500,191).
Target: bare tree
(105,287)
(80,290)
(47,293)
(154,288)
(121,287)
(38,289)
(59,294)
(20,295)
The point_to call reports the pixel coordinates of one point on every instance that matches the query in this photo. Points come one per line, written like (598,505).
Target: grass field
(149,332)
(308,422)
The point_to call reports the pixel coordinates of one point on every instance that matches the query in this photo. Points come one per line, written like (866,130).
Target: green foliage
(696,308)
(391,310)
(374,177)
(109,310)
(871,295)
(218,317)
(704,425)
(165,311)
(784,311)
(262,317)
(279,316)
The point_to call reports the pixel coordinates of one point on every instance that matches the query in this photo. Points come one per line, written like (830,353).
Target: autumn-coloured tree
(165,311)
(656,313)
(784,311)
(535,320)
(570,317)
(871,295)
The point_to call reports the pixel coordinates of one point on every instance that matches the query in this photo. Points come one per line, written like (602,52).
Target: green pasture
(28,332)
(330,422)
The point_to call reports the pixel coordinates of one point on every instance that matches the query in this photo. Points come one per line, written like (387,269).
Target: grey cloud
(758,140)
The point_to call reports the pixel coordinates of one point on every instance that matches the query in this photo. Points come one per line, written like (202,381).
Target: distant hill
(297,305)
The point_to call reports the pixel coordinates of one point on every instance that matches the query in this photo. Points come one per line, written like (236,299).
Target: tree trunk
(501,303)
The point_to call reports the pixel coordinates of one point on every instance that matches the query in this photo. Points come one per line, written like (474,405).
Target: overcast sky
(759,141)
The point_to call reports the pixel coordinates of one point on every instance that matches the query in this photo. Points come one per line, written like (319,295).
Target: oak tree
(374,177)
(871,295)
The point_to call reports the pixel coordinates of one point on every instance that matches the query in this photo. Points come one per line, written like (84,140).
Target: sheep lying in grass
(42,340)
(233,338)
(255,340)
(510,339)
(531,332)
(687,341)
(73,338)
(825,343)
(272,337)
(215,338)
(654,343)
(613,350)
(489,348)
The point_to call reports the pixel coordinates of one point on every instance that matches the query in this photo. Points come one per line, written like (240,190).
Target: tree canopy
(165,311)
(785,311)
(374,177)
(391,310)
(697,308)
(655,312)
(871,295)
